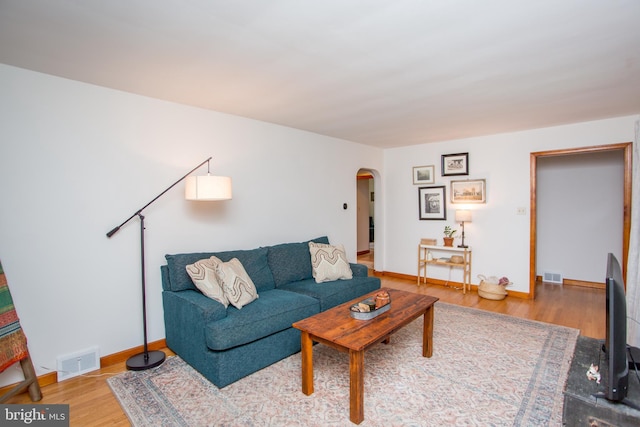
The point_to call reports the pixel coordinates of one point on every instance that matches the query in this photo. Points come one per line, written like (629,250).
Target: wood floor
(92,403)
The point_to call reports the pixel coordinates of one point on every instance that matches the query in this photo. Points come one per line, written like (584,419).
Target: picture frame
(424,174)
(469,191)
(432,202)
(455,164)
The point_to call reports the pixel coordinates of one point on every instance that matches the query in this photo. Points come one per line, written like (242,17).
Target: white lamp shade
(208,187)
(463,215)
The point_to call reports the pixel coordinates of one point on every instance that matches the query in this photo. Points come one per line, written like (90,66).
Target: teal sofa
(227,344)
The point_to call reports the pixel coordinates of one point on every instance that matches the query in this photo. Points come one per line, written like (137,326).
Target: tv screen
(615,346)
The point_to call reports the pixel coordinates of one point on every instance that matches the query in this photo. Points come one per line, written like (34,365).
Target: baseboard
(112,359)
(515,294)
(396,275)
(582,283)
(122,356)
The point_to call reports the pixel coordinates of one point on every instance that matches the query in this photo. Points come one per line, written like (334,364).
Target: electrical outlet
(521,211)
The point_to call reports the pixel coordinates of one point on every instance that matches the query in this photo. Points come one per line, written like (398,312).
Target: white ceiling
(384,73)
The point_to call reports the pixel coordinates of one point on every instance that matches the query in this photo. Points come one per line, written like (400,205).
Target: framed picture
(455,164)
(423,174)
(469,191)
(432,202)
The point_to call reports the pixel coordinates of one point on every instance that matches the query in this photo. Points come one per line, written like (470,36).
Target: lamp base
(143,361)
(463,246)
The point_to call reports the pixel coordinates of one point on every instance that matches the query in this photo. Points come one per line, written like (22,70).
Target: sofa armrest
(186,314)
(192,306)
(359,270)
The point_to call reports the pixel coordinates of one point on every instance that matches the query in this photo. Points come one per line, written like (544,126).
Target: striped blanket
(13,343)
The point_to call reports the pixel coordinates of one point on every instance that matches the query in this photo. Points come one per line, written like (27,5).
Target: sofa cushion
(253,260)
(290,262)
(236,283)
(275,311)
(204,276)
(329,262)
(334,293)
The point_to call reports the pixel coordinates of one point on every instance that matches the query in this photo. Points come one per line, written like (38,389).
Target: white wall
(580,214)
(498,236)
(77,160)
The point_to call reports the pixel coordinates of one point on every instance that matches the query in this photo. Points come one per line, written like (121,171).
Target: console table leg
(356,386)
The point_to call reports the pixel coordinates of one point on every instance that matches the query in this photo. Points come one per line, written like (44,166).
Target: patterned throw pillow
(236,283)
(203,274)
(329,262)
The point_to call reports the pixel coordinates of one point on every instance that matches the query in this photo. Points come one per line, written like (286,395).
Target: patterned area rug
(487,369)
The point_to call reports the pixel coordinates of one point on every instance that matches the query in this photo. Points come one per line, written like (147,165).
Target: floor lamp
(206,188)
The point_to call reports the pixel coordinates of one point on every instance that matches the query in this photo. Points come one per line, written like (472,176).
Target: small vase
(448,241)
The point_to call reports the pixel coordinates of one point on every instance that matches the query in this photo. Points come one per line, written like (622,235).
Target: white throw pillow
(236,283)
(329,262)
(204,277)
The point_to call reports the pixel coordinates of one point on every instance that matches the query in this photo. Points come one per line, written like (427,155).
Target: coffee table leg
(307,363)
(356,386)
(427,333)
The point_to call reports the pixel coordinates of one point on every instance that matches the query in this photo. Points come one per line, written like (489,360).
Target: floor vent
(72,365)
(552,278)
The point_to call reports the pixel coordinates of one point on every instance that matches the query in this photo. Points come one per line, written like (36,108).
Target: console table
(436,250)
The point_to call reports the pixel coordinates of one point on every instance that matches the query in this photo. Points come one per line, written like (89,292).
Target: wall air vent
(72,365)
(552,278)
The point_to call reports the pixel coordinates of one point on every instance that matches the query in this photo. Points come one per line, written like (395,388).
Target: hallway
(366,259)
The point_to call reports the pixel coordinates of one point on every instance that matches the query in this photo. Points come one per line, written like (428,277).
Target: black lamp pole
(463,245)
(147,359)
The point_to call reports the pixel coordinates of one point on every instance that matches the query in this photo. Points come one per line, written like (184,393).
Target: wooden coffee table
(336,328)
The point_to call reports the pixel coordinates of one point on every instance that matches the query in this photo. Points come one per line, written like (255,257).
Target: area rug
(487,369)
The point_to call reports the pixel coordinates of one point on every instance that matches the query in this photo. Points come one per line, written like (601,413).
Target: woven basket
(491,291)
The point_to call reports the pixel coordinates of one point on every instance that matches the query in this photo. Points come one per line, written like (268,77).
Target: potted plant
(448,236)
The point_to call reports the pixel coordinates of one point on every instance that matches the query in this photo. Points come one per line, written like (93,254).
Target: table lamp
(462,216)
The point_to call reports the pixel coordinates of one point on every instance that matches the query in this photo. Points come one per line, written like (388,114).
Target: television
(615,345)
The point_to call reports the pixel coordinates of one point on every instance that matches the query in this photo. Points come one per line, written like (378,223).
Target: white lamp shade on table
(463,215)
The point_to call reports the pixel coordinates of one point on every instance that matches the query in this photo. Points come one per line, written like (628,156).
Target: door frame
(363,174)
(627,148)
